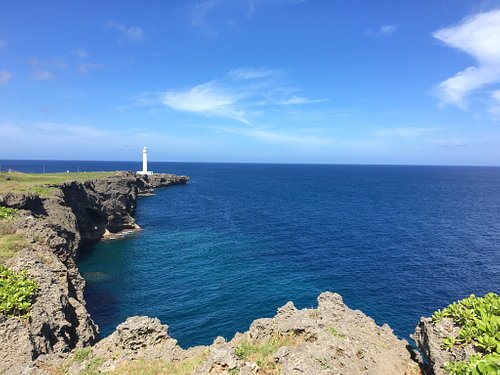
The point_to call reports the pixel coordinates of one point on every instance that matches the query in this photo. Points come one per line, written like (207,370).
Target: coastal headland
(48,219)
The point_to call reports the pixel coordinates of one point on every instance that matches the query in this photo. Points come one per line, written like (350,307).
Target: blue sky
(317,81)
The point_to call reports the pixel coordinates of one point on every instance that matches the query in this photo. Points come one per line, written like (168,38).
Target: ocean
(240,240)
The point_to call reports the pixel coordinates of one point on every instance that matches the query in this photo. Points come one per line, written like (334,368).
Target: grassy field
(40,183)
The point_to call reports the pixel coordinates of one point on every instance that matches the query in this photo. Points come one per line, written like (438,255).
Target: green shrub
(16,292)
(7,213)
(479,321)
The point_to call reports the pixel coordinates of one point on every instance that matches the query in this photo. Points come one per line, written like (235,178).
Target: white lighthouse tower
(145,163)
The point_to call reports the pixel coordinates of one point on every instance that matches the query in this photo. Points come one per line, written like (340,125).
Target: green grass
(262,352)
(82,354)
(479,321)
(16,292)
(141,367)
(93,366)
(10,244)
(43,183)
(10,241)
(336,333)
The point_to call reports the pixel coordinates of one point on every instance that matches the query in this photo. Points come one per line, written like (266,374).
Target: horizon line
(264,163)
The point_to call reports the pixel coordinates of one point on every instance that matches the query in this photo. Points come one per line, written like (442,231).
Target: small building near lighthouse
(145,163)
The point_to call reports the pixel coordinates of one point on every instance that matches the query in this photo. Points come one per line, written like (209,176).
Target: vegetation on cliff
(7,213)
(479,322)
(10,241)
(44,184)
(263,352)
(16,292)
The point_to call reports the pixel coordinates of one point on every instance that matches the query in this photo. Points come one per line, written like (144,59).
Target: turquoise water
(240,240)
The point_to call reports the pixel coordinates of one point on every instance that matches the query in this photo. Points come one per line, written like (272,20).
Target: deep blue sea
(240,240)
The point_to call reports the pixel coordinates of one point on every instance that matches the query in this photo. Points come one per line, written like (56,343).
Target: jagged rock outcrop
(56,227)
(331,339)
(429,338)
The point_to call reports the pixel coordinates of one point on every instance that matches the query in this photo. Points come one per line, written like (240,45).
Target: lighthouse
(145,163)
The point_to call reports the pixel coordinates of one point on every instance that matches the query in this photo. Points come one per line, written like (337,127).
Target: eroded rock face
(429,338)
(136,333)
(137,337)
(334,339)
(331,339)
(55,227)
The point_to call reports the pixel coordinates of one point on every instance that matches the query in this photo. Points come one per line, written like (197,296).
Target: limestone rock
(429,338)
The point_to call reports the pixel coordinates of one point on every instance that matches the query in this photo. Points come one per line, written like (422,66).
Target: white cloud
(42,75)
(297,99)
(407,132)
(63,140)
(132,33)
(298,138)
(5,76)
(85,68)
(384,30)
(496,95)
(207,98)
(211,16)
(495,107)
(241,74)
(478,36)
(79,52)
(49,63)
(242,94)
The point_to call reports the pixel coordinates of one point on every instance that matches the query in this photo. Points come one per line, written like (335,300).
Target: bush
(479,321)
(16,292)
(7,213)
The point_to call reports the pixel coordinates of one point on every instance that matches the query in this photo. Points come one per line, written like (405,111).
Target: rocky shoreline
(61,337)
(56,227)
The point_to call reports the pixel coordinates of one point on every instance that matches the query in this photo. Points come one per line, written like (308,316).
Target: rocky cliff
(55,227)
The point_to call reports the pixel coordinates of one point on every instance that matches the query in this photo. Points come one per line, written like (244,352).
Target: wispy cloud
(63,139)
(241,74)
(85,68)
(448,142)
(131,33)
(384,30)
(240,95)
(297,99)
(407,132)
(211,16)
(56,63)
(42,75)
(273,136)
(3,44)
(79,52)
(5,77)
(495,107)
(208,99)
(478,36)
